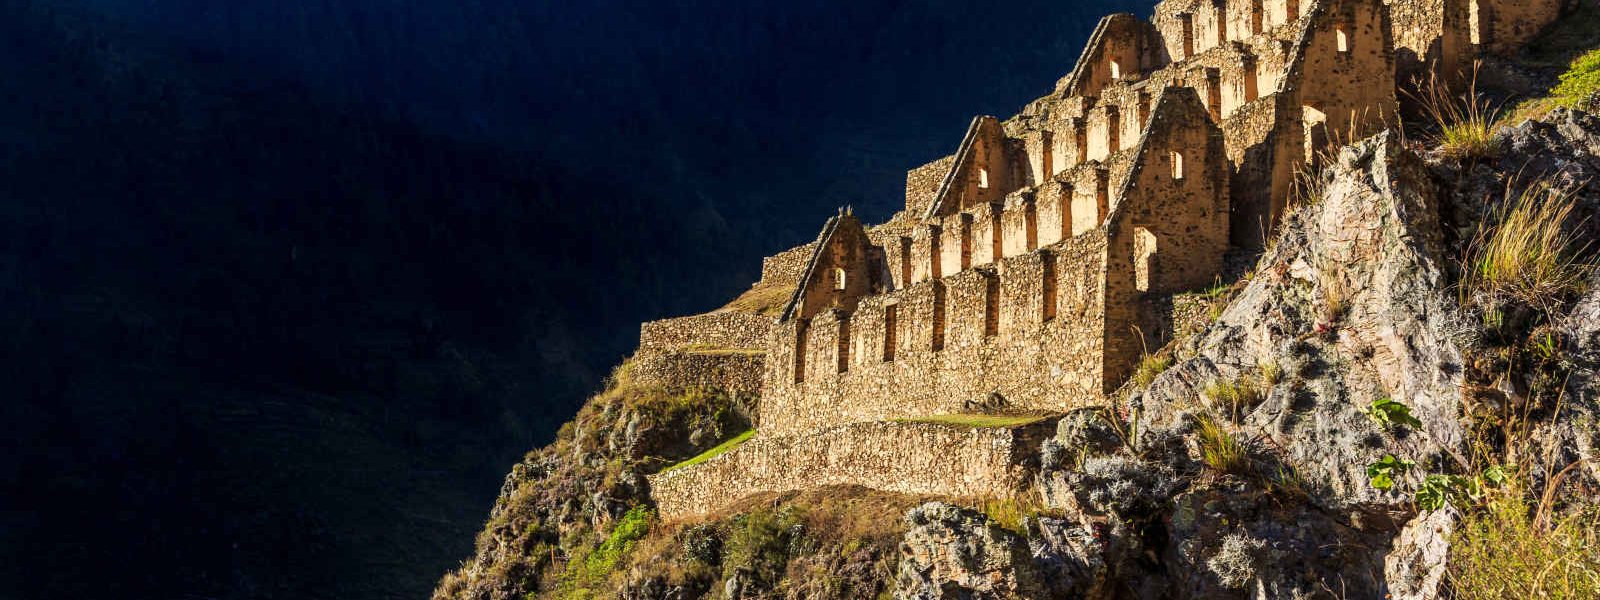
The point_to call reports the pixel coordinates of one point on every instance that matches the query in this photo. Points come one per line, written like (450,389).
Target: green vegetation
(1011,514)
(628,531)
(1151,367)
(1271,374)
(980,421)
(1237,396)
(1578,87)
(1528,254)
(1383,473)
(1508,548)
(1580,83)
(1387,413)
(715,451)
(1462,124)
(1220,449)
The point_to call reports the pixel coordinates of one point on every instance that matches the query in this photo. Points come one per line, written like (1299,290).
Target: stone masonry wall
(729,329)
(785,268)
(904,457)
(735,372)
(932,348)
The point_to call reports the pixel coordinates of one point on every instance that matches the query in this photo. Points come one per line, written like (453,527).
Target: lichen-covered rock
(1353,306)
(951,553)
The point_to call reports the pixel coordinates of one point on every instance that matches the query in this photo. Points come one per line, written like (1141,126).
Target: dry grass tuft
(1464,124)
(1528,254)
(1236,396)
(1220,449)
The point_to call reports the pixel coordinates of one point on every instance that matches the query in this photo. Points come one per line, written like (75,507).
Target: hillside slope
(1381,399)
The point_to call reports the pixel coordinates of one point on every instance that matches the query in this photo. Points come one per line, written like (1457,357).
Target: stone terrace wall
(909,458)
(711,330)
(733,372)
(993,329)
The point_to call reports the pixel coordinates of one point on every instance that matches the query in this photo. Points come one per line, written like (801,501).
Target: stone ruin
(1031,269)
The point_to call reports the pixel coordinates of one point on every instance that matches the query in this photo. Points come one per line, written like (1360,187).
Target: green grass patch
(1576,86)
(714,452)
(982,421)
(1220,449)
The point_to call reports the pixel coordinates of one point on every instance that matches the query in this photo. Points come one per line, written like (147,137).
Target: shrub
(1383,474)
(1578,88)
(627,532)
(1528,254)
(1236,563)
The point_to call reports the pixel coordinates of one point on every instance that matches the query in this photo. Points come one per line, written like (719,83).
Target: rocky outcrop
(1352,305)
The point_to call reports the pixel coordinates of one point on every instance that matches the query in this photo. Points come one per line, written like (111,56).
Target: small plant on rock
(1237,396)
(1387,414)
(1383,473)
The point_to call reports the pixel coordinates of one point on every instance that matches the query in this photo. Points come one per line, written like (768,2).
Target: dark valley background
(287,285)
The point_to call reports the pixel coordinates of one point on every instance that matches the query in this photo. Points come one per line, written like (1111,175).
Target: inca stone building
(1031,268)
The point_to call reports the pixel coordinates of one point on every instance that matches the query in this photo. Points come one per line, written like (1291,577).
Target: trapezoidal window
(1144,259)
(800,351)
(1476,21)
(938,317)
(838,280)
(991,306)
(1186,21)
(1249,81)
(1048,309)
(844,344)
(891,328)
(1341,34)
(1113,130)
(1116,70)
(983,179)
(1177,166)
(905,262)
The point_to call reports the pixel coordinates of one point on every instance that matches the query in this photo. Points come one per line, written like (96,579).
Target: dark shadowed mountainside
(286,285)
